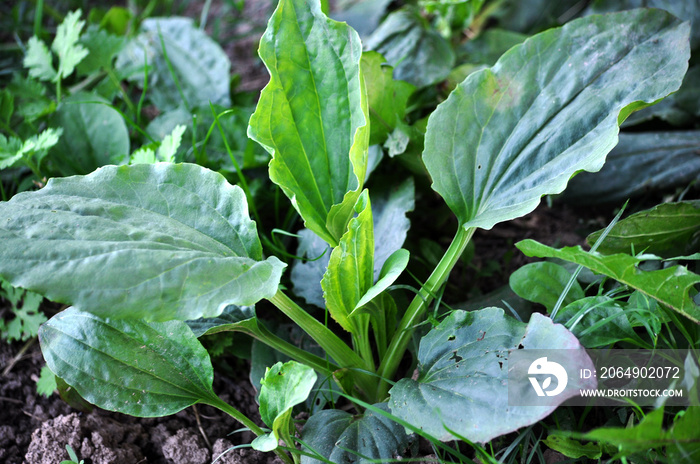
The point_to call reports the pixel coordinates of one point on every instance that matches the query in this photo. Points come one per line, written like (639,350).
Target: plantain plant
(153,256)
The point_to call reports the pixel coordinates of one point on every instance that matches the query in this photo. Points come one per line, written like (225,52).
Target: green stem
(216,402)
(326,339)
(321,365)
(416,310)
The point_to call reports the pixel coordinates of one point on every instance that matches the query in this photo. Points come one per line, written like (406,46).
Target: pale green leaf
(350,272)
(462,382)
(46,384)
(312,116)
(66,45)
(667,230)
(130,366)
(38,60)
(670,286)
(392,269)
(163,241)
(143,156)
(550,107)
(283,387)
(170,144)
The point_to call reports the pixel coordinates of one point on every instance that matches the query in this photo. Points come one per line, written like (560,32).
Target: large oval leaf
(463,372)
(129,366)
(549,108)
(93,134)
(312,116)
(147,241)
(339,437)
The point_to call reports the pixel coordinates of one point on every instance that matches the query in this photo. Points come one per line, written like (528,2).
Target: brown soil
(36,430)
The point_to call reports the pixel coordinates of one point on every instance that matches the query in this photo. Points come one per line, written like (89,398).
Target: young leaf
(46,383)
(283,387)
(670,286)
(66,45)
(312,116)
(132,367)
(387,97)
(463,375)
(667,230)
(393,267)
(156,241)
(170,144)
(350,270)
(38,60)
(549,108)
(339,437)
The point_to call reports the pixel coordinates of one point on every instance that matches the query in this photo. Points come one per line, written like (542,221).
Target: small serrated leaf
(66,45)
(38,60)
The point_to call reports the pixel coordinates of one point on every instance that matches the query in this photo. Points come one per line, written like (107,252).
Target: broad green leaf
(387,98)
(199,63)
(283,387)
(312,116)
(572,448)
(463,371)
(350,272)
(667,230)
(393,267)
(156,241)
(419,54)
(550,107)
(128,366)
(65,45)
(102,48)
(543,283)
(339,437)
(38,60)
(596,321)
(670,286)
(641,162)
(93,133)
